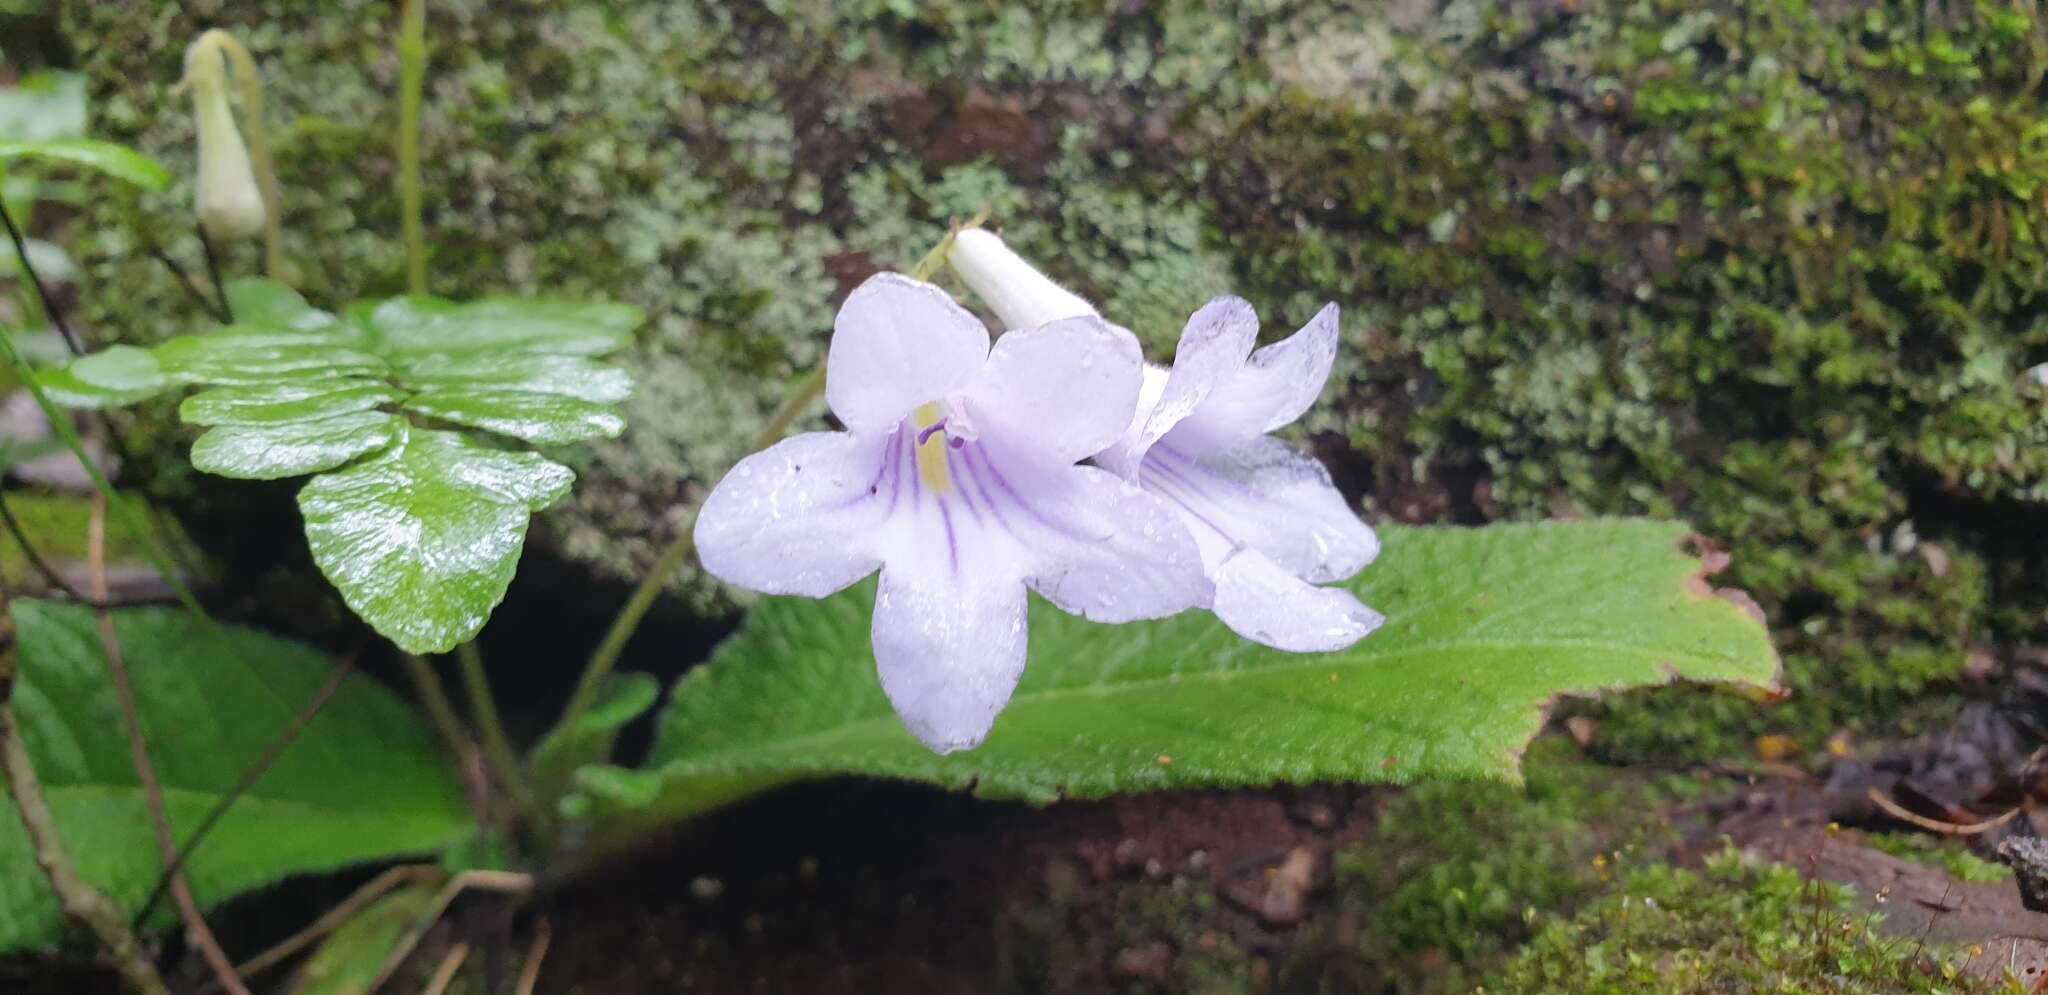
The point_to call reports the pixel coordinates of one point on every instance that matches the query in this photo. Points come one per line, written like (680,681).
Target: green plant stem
(412,61)
(685,543)
(81,902)
(483,712)
(427,685)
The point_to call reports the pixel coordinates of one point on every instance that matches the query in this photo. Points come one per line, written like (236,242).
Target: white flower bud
(230,205)
(1019,295)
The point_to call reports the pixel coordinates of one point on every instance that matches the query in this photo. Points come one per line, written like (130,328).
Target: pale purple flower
(956,477)
(1269,523)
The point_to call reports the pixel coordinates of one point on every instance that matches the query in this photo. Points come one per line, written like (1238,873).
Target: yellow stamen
(931,453)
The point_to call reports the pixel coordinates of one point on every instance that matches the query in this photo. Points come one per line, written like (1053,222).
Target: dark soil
(871,887)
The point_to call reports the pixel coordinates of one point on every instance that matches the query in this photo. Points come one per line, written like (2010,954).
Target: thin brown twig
(145,772)
(81,902)
(28,551)
(529,975)
(278,745)
(503,882)
(1901,813)
(445,974)
(332,919)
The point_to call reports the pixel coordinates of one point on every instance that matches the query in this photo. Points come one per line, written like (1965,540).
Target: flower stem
(685,543)
(427,685)
(483,711)
(412,61)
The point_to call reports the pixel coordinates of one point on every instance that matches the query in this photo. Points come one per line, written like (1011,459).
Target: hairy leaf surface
(1486,627)
(365,780)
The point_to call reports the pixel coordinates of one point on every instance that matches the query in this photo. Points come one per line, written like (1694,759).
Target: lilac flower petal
(1212,352)
(1267,497)
(1121,555)
(1065,389)
(1265,604)
(1273,389)
(896,344)
(797,518)
(949,647)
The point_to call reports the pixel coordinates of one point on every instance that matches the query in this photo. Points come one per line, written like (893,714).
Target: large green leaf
(364,781)
(1486,628)
(293,449)
(118,161)
(422,540)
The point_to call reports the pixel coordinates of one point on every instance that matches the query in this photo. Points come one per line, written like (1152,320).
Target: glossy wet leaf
(1486,627)
(107,379)
(118,161)
(365,781)
(245,355)
(422,540)
(294,448)
(501,325)
(542,419)
(290,401)
(121,368)
(569,376)
(352,958)
(265,302)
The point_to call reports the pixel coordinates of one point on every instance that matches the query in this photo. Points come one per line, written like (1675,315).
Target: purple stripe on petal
(953,472)
(952,541)
(1003,484)
(995,507)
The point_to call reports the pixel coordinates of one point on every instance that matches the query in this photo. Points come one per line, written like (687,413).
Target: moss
(1950,855)
(1455,874)
(1732,928)
(1774,269)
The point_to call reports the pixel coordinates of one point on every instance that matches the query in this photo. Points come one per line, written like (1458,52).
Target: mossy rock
(1773,267)
(1733,927)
